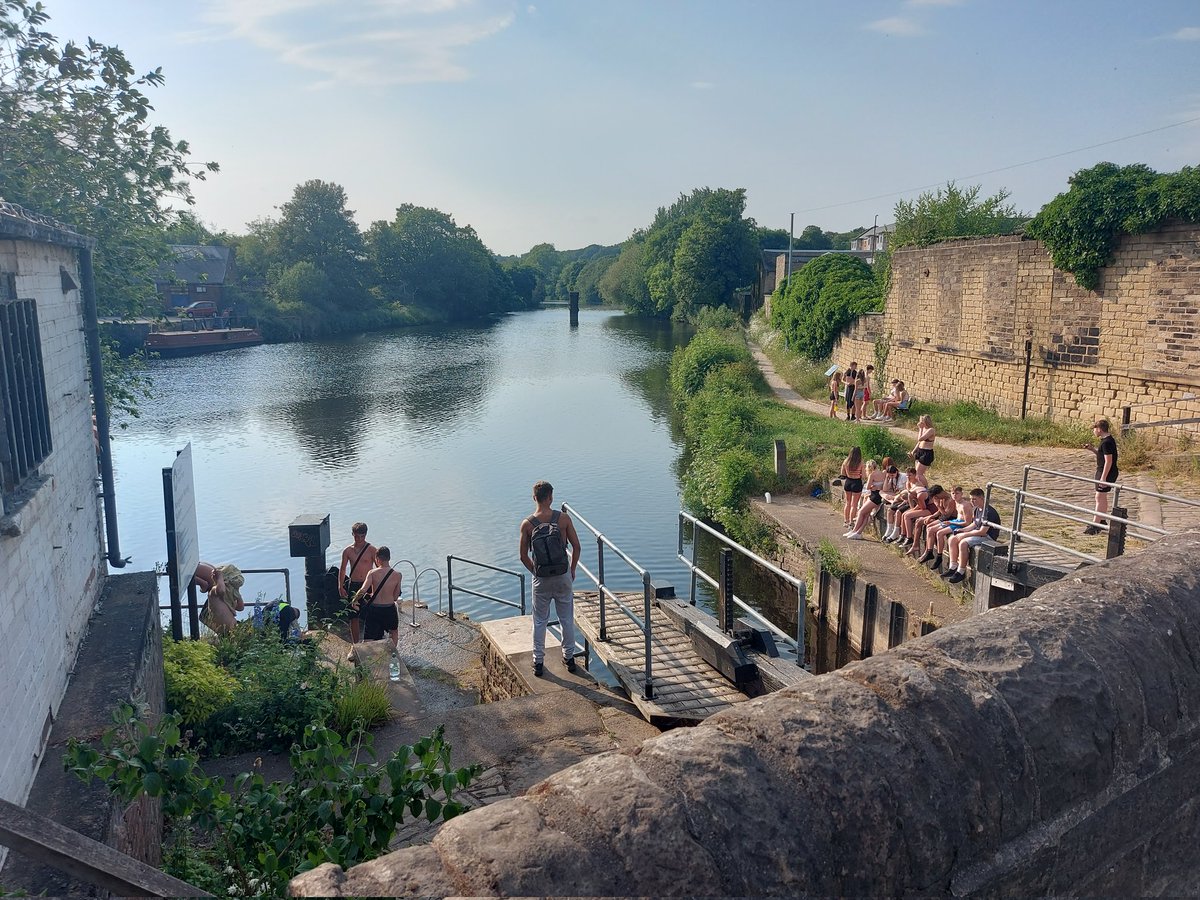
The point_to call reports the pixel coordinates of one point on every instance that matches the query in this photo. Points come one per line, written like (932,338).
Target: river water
(432,436)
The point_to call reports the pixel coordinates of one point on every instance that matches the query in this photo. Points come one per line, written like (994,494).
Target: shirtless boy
(380,592)
(356,563)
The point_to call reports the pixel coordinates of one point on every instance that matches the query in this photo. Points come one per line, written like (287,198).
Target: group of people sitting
(854,389)
(937,525)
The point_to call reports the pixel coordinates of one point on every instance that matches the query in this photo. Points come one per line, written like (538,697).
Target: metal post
(172,563)
(522,578)
(1018,512)
(725,595)
(193,611)
(648,595)
(574,301)
(600,585)
(791,233)
(1028,363)
(1116,532)
(450,588)
(801,613)
(692,567)
(1126,415)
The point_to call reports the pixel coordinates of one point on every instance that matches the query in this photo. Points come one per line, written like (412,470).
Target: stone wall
(959,313)
(51,562)
(1046,747)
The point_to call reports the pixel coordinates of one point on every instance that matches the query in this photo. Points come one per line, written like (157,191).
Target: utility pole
(791,234)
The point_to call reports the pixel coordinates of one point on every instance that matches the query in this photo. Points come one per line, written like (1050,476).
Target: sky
(572,121)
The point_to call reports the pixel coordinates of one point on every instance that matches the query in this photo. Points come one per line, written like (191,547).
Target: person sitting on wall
(223,585)
(984,520)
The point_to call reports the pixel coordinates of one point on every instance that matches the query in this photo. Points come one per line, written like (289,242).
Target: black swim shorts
(924,456)
(381,618)
(853,486)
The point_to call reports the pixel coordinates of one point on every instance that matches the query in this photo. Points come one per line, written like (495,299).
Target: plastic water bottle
(394,668)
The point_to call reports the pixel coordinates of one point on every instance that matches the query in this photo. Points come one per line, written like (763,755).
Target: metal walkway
(686,688)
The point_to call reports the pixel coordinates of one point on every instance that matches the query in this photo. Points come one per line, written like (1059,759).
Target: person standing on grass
(848,381)
(544,539)
(922,453)
(1106,471)
(835,393)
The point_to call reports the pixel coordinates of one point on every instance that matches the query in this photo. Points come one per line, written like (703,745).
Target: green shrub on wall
(823,298)
(196,686)
(1081,228)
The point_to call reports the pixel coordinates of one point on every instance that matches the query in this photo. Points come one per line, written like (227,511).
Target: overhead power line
(1030,162)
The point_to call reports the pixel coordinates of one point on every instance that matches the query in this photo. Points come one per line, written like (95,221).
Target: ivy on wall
(1081,227)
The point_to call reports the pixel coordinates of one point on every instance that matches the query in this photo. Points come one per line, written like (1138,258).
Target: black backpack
(548,548)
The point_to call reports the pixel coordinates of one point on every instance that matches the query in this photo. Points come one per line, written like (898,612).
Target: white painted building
(52,553)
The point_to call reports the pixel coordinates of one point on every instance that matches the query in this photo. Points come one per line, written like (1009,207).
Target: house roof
(878,229)
(196,264)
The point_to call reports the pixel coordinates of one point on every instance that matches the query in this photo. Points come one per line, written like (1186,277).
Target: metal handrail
(416,596)
(1118,486)
(450,588)
(797,642)
(644,621)
(287,585)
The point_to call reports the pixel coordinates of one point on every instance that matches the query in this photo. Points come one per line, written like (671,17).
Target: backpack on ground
(548,548)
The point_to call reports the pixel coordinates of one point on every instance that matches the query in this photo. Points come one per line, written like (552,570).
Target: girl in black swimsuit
(852,484)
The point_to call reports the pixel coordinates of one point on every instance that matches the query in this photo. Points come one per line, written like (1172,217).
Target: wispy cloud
(1190,33)
(376,42)
(896,25)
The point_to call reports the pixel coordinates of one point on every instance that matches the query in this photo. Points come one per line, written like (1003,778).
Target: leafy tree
(813,238)
(624,284)
(713,257)
(1081,227)
(771,238)
(587,282)
(953,212)
(77,144)
(422,257)
(316,227)
(821,299)
(840,240)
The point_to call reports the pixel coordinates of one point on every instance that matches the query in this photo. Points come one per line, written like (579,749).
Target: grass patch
(972,422)
(362,705)
(836,562)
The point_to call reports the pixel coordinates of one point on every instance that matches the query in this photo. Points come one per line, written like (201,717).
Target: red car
(201,309)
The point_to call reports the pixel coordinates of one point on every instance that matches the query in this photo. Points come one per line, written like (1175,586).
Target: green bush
(834,561)
(338,807)
(876,443)
(282,689)
(1081,227)
(196,686)
(706,351)
(823,298)
(364,704)
(721,318)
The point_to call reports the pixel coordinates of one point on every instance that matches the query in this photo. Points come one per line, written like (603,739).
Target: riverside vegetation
(731,421)
(251,691)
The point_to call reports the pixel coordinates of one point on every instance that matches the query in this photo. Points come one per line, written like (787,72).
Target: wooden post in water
(574,295)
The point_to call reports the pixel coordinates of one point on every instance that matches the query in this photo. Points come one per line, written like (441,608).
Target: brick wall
(959,314)
(51,557)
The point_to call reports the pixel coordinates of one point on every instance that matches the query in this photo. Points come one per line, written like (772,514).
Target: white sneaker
(854,536)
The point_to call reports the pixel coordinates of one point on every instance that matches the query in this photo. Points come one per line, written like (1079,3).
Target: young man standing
(1106,471)
(544,539)
(380,591)
(357,560)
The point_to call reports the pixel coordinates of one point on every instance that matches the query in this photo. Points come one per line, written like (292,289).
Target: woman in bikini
(852,484)
(835,393)
(875,481)
(922,453)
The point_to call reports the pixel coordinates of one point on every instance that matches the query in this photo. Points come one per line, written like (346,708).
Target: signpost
(183,546)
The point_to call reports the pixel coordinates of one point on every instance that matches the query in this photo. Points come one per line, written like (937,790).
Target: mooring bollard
(574,297)
(308,536)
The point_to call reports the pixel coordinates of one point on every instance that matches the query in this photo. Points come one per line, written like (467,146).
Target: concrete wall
(1046,747)
(51,557)
(958,315)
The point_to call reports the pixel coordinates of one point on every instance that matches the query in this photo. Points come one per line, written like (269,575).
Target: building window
(201,289)
(25,442)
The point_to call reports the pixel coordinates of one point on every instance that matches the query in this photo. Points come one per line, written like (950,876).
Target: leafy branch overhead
(1081,228)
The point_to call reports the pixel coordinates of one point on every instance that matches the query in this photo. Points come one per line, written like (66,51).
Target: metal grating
(26,415)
